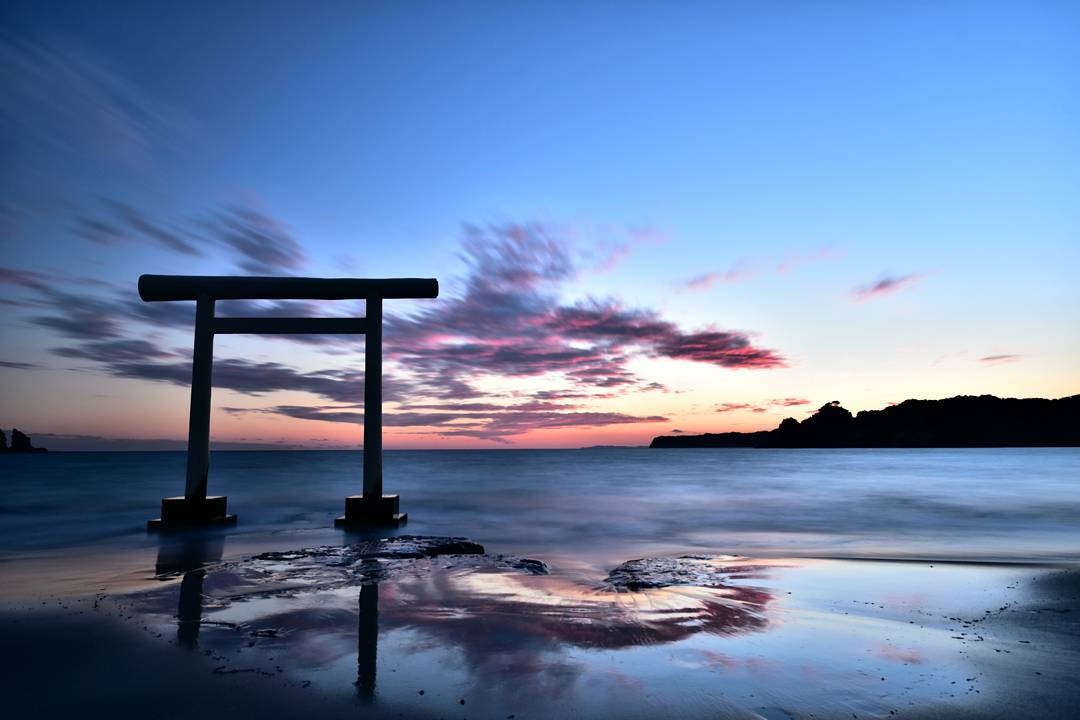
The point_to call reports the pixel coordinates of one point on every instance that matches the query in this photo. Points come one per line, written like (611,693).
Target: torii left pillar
(195,507)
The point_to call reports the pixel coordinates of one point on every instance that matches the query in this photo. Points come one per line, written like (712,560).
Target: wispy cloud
(885,286)
(793,260)
(788,402)
(66,98)
(762,406)
(1000,359)
(607,254)
(732,407)
(743,270)
(707,281)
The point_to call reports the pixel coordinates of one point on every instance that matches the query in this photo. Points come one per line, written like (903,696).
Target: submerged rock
(688,570)
(362,563)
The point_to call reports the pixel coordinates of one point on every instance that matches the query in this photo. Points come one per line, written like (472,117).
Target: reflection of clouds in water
(501,621)
(559,611)
(514,626)
(480,627)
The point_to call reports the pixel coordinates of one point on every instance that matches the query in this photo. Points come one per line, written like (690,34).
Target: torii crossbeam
(195,507)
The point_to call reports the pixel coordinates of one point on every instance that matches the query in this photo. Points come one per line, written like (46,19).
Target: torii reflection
(367,642)
(189,554)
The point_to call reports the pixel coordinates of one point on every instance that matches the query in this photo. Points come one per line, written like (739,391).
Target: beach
(554,361)
(288,618)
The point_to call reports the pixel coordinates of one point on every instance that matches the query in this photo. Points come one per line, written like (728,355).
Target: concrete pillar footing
(180,512)
(361,511)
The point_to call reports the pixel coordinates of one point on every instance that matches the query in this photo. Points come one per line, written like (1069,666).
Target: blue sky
(785,155)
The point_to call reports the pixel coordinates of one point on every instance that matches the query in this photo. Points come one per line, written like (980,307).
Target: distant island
(962,421)
(20,442)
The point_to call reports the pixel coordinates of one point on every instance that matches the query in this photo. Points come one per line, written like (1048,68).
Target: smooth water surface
(598,506)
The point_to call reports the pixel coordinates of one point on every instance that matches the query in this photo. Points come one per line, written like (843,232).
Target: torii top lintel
(159,288)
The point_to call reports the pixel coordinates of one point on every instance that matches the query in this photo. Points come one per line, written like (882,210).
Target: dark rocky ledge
(361,563)
(962,421)
(398,547)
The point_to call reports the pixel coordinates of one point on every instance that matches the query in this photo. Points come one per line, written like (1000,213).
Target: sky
(645,217)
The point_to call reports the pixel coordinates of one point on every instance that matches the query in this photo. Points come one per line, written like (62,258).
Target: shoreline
(781,637)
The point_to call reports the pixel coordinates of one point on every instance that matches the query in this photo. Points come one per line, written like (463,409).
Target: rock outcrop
(687,570)
(20,442)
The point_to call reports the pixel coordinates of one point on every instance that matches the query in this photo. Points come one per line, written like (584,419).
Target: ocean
(775,610)
(593,506)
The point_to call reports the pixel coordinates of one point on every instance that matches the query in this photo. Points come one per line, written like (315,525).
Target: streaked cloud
(885,286)
(744,270)
(506,321)
(497,423)
(761,407)
(253,241)
(707,281)
(732,407)
(13,365)
(1000,359)
(259,244)
(25,278)
(793,260)
(788,402)
(126,224)
(63,98)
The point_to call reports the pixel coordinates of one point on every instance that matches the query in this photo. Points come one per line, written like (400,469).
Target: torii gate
(195,507)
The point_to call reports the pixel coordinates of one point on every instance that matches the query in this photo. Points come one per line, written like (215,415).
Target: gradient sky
(645,217)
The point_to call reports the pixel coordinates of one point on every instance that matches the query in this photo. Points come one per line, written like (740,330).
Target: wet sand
(336,633)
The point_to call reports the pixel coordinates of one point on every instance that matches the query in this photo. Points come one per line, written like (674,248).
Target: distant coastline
(962,421)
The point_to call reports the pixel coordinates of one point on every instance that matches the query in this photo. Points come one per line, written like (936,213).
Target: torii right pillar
(372,508)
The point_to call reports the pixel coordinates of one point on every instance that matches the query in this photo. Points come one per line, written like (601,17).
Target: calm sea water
(598,505)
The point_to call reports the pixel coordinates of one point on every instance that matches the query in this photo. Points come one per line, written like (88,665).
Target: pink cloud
(508,322)
(719,347)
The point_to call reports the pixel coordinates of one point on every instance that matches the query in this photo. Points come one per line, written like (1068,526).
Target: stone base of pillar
(369,512)
(179,512)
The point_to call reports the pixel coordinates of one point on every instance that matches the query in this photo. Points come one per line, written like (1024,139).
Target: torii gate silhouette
(195,508)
